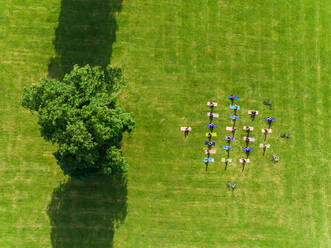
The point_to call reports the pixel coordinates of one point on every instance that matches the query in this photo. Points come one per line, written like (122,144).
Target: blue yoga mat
(266,119)
(231,117)
(235,98)
(234,107)
(213,143)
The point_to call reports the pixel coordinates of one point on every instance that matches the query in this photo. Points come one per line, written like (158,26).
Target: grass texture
(176,55)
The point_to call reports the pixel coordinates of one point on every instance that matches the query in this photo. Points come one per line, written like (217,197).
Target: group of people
(210,134)
(210,144)
(229,139)
(234,117)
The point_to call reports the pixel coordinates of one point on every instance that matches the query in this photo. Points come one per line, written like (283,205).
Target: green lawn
(177,55)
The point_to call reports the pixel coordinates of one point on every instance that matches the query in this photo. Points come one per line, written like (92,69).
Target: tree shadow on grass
(85,213)
(85,35)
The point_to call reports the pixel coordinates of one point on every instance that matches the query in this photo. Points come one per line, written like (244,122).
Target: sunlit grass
(177,55)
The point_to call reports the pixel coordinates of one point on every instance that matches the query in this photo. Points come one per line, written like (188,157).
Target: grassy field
(177,55)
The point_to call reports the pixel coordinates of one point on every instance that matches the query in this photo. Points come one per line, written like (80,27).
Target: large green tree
(79,113)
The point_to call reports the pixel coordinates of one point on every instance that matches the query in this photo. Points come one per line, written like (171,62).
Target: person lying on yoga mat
(211,124)
(212,104)
(229,138)
(253,112)
(227,148)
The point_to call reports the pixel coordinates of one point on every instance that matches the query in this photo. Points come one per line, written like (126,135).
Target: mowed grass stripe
(315,187)
(28,173)
(321,183)
(298,112)
(311,64)
(324,75)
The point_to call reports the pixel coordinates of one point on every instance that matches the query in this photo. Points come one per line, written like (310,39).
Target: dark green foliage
(80,115)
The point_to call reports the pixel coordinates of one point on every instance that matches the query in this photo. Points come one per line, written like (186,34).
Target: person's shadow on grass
(85,35)
(85,213)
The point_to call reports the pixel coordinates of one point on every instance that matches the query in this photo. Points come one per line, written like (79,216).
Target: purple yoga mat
(211,124)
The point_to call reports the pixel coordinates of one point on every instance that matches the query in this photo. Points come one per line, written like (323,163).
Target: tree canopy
(80,114)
